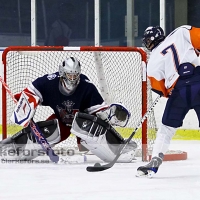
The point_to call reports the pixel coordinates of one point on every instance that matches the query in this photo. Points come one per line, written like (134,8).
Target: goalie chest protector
(93,126)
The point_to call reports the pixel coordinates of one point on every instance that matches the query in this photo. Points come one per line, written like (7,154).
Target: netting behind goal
(118,73)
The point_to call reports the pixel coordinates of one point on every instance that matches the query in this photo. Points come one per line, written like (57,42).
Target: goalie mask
(69,72)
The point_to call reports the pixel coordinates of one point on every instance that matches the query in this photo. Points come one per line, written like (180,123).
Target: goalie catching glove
(116,115)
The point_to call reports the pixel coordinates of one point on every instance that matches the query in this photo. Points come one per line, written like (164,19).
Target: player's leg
(64,130)
(176,108)
(65,133)
(162,142)
(23,145)
(101,138)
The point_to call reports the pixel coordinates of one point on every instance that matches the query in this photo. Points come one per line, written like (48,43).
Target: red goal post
(118,72)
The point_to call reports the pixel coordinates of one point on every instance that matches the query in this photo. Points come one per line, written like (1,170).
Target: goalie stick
(35,130)
(98,167)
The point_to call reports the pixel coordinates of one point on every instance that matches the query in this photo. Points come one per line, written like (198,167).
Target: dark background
(15,20)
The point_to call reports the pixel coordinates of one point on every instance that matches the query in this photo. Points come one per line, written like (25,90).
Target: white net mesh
(122,75)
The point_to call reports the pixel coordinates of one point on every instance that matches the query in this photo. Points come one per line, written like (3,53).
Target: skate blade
(141,174)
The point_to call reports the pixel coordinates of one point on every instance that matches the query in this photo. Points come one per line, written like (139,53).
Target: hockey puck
(97,165)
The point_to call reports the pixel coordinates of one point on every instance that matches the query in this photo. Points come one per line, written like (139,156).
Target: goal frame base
(173,156)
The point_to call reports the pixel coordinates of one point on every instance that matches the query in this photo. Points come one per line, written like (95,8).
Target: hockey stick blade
(98,167)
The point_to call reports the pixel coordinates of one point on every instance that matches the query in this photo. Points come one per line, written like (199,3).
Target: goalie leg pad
(23,145)
(101,138)
(103,152)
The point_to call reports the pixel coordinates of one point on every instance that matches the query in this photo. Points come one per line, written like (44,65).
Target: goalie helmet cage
(119,73)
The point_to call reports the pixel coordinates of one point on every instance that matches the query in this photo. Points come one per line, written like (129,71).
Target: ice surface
(175,180)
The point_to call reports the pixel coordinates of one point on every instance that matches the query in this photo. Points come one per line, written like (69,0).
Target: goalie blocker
(101,138)
(23,145)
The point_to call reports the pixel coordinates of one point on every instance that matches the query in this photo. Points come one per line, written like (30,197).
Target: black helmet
(153,36)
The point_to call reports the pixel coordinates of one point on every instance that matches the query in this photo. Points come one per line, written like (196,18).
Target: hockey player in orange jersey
(174,72)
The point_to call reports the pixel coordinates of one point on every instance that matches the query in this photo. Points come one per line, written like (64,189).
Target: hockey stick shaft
(8,89)
(35,130)
(42,141)
(109,165)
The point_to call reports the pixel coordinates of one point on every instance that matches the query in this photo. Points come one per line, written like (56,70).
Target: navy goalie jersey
(85,98)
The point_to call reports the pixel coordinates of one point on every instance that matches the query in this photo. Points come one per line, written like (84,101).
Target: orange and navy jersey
(177,48)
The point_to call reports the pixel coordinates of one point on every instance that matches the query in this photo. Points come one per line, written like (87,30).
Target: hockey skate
(151,168)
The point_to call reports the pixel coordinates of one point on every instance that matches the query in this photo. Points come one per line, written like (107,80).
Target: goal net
(118,73)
